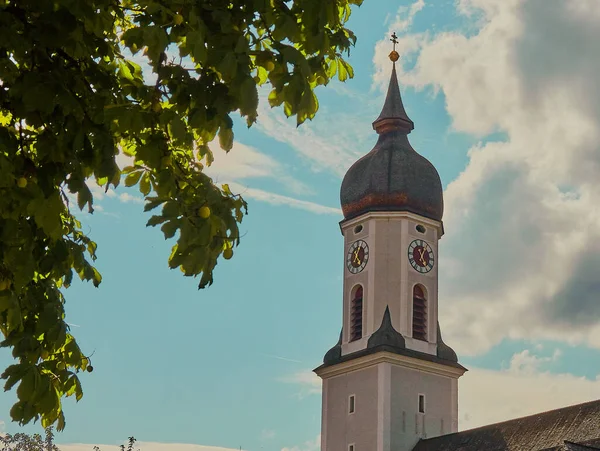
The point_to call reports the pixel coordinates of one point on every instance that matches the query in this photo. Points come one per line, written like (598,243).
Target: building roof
(392,176)
(571,446)
(393,109)
(388,339)
(569,428)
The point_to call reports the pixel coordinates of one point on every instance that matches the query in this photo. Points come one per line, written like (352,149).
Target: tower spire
(393,116)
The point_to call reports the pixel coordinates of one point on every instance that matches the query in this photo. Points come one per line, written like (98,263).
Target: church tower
(390,380)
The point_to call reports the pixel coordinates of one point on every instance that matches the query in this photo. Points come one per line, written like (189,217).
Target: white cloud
(408,43)
(123,160)
(310,445)
(307,381)
(144,446)
(237,168)
(333,140)
(244,162)
(488,396)
(277,199)
(267,434)
(525,362)
(126,198)
(240,163)
(101,193)
(520,256)
(403,24)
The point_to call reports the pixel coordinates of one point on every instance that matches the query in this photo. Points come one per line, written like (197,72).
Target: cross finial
(394,39)
(394,56)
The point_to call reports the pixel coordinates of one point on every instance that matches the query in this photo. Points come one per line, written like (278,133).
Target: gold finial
(394,56)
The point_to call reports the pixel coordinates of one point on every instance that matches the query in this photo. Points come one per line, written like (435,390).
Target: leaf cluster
(73,99)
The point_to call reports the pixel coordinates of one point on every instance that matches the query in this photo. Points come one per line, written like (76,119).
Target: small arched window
(356,313)
(419,320)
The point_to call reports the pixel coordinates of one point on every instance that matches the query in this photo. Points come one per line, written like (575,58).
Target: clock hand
(356,258)
(421,252)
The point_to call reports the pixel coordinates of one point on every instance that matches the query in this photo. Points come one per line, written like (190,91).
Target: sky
(506,105)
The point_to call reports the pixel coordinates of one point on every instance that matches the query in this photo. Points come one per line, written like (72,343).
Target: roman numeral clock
(357,257)
(420,256)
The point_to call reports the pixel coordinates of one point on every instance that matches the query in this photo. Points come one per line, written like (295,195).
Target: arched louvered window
(419,322)
(356,313)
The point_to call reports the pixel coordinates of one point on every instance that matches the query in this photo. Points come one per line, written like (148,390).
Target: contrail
(280,358)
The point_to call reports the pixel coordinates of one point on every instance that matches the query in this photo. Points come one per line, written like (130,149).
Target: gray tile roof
(578,424)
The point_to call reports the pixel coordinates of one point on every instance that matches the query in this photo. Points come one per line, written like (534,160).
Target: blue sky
(507,114)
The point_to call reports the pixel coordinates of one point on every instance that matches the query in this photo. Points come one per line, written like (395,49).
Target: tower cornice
(448,369)
(346,223)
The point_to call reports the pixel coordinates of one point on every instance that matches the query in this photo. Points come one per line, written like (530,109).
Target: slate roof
(569,428)
(570,446)
(392,176)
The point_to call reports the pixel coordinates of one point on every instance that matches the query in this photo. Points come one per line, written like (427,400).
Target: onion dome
(392,176)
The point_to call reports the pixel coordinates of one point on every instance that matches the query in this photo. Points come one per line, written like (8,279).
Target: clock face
(358,256)
(420,256)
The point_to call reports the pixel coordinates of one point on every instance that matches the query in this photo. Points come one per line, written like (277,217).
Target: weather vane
(394,56)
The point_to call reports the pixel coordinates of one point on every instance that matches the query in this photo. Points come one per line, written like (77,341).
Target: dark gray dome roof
(393,176)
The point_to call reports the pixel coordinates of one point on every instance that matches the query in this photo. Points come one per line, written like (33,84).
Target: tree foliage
(25,442)
(130,445)
(35,442)
(72,99)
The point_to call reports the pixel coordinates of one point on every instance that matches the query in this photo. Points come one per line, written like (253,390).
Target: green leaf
(124,70)
(47,212)
(155,220)
(228,66)
(275,98)
(145,184)
(13,374)
(226,138)
(345,71)
(170,228)
(170,209)
(153,202)
(61,422)
(133,178)
(197,47)
(84,197)
(78,390)
(69,387)
(96,278)
(27,385)
(156,41)
(248,98)
(38,95)
(6,301)
(261,75)
(178,130)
